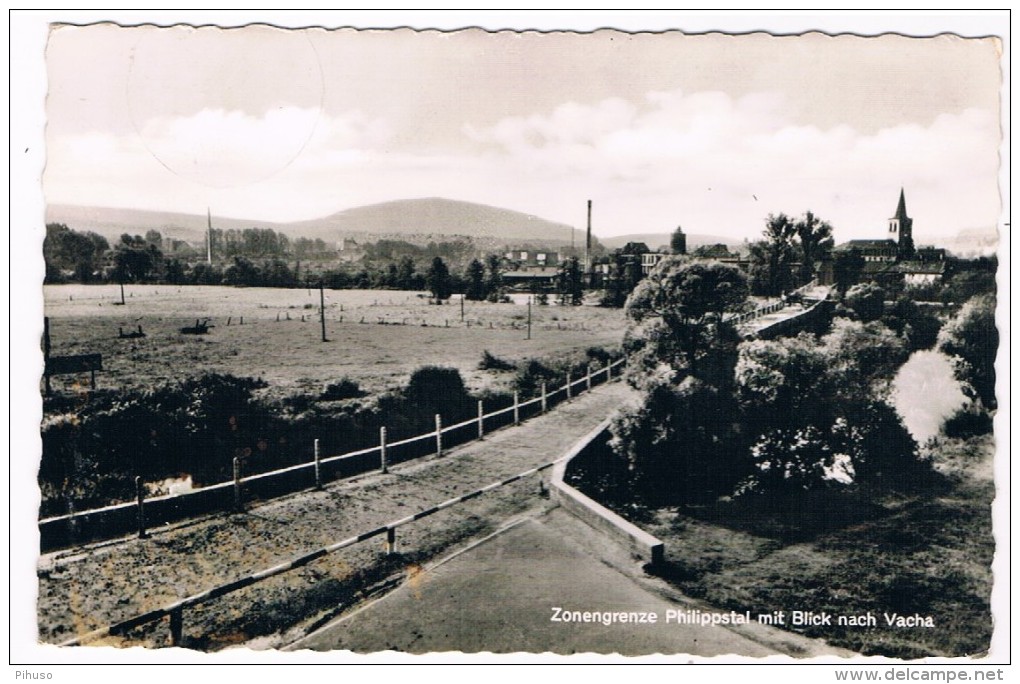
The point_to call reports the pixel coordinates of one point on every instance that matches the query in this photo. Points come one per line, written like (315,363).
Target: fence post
(439,435)
(481,420)
(384,465)
(568,384)
(609,371)
(517,408)
(318,471)
(587,379)
(544,400)
(140,495)
(237,483)
(391,541)
(176,626)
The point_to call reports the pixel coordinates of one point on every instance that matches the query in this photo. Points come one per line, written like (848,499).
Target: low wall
(794,324)
(596,515)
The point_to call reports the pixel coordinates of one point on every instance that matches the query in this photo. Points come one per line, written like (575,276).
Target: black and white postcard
(354,341)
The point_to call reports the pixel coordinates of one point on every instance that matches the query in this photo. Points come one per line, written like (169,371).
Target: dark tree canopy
(475,278)
(679,315)
(672,443)
(815,238)
(847,266)
(437,279)
(685,292)
(68,250)
(569,283)
(773,257)
(678,241)
(972,339)
(867,301)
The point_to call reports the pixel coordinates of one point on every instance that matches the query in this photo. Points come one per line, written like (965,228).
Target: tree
(569,283)
(175,272)
(784,383)
(810,404)
(867,301)
(67,250)
(678,241)
(405,274)
(155,238)
(242,272)
(494,280)
(205,274)
(437,279)
(862,353)
(772,258)
(134,260)
(972,339)
(847,266)
(475,277)
(918,328)
(815,238)
(676,443)
(688,300)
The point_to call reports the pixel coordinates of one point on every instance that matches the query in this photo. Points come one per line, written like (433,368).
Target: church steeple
(901,229)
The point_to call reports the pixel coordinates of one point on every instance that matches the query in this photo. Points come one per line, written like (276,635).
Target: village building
(894,258)
(527,270)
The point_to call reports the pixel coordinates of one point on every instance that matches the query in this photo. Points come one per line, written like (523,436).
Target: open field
(376,337)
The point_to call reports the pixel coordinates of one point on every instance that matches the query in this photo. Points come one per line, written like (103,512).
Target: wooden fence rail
(143,513)
(175,610)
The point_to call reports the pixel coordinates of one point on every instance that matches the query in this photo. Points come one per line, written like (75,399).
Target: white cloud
(711,162)
(705,156)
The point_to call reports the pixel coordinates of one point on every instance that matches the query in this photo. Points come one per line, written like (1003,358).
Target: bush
(490,362)
(600,355)
(969,421)
(343,389)
(531,376)
(973,340)
(679,444)
(866,300)
(435,389)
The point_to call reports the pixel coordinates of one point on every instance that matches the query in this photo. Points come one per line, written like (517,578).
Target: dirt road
(80,590)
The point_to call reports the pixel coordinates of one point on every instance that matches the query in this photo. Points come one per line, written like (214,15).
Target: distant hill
(437,216)
(111,222)
(431,217)
(657,240)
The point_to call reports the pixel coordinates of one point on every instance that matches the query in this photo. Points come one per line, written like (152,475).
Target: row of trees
(786,242)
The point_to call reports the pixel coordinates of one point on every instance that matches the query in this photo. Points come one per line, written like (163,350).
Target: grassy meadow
(375,337)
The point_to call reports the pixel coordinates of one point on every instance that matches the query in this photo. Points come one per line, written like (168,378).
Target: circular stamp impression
(224,108)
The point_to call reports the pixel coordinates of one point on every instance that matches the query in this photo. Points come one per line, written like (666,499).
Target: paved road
(499,595)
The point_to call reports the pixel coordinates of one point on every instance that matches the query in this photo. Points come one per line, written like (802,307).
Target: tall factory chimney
(208,235)
(587,243)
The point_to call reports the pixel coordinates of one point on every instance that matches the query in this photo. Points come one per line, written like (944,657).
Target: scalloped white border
(27,96)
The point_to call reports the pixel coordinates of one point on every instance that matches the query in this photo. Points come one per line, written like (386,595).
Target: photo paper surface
(675,345)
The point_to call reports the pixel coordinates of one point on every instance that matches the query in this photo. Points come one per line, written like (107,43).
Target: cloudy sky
(712,132)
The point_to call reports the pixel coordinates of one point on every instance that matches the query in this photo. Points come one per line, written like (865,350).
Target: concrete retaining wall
(795,324)
(638,541)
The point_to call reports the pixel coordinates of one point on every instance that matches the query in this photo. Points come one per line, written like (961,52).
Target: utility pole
(208,235)
(530,297)
(462,308)
(322,310)
(587,246)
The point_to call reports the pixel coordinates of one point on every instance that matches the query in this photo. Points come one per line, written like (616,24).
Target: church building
(895,257)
